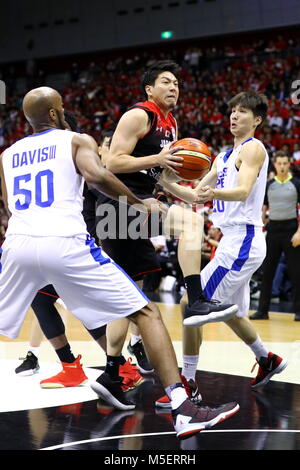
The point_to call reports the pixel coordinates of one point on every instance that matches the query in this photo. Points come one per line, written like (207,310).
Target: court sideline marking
(87,441)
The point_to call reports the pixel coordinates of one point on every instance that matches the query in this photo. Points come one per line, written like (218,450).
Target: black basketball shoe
(143,363)
(29,366)
(208,311)
(111,391)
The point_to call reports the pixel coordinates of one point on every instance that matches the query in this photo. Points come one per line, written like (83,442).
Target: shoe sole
(198,320)
(26,373)
(109,398)
(163,405)
(192,429)
(278,369)
(57,385)
(144,371)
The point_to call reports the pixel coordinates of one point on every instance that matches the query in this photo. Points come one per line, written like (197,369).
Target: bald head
(43,109)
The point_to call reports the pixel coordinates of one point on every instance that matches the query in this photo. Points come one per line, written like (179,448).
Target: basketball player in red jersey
(140,150)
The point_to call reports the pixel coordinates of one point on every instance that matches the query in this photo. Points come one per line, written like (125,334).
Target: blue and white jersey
(232,213)
(43,187)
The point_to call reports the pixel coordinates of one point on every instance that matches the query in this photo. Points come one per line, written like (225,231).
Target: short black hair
(70,119)
(281,154)
(156,69)
(256,102)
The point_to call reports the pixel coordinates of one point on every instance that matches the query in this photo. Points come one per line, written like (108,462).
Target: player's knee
(151,311)
(181,220)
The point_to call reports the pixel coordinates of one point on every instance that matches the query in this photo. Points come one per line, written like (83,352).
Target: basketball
(197,158)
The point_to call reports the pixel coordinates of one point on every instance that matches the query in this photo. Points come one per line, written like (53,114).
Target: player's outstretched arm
(251,157)
(168,181)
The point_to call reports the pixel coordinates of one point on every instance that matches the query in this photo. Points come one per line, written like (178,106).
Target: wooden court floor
(32,418)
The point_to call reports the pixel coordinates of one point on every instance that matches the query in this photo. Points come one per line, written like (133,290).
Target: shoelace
(27,358)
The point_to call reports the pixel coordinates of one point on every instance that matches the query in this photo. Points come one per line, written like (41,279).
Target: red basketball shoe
(268,366)
(72,375)
(130,375)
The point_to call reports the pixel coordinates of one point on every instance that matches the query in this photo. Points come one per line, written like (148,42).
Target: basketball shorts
(240,253)
(94,288)
(126,238)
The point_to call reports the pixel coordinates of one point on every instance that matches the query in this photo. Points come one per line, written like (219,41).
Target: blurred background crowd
(99,89)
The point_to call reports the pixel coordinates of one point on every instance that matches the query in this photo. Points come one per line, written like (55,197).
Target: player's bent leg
(116,334)
(243,329)
(268,362)
(188,225)
(191,341)
(188,419)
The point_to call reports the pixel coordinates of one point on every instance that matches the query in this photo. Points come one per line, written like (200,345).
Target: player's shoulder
(255,144)
(134,122)
(136,113)
(254,148)
(87,139)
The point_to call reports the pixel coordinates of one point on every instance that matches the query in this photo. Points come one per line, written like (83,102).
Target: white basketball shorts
(93,287)
(240,253)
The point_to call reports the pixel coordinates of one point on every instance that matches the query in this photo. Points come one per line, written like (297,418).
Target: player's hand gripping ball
(197,158)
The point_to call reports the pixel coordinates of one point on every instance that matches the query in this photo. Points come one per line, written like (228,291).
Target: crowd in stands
(99,93)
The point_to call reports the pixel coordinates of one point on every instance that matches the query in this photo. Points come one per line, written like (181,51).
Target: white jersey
(249,212)
(43,187)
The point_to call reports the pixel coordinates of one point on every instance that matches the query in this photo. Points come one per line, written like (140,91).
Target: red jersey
(163,130)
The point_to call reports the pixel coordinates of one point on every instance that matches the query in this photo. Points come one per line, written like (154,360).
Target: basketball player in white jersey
(47,242)
(236,184)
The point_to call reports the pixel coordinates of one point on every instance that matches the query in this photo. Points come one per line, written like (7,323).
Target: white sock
(134,339)
(35,350)
(189,366)
(177,396)
(258,349)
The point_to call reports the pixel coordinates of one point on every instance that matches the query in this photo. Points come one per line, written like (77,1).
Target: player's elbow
(244,193)
(111,163)
(95,177)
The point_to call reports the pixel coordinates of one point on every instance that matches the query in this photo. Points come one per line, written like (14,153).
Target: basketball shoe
(138,351)
(130,375)
(72,375)
(207,311)
(111,391)
(189,419)
(268,366)
(29,366)
(191,389)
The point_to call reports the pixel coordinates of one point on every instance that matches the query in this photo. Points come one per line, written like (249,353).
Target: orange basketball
(197,158)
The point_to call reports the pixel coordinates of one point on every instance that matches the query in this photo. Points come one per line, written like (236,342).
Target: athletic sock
(112,366)
(134,339)
(177,394)
(189,366)
(193,287)
(122,360)
(258,348)
(65,354)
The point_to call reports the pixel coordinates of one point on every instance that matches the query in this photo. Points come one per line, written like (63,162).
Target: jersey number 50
(47,176)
